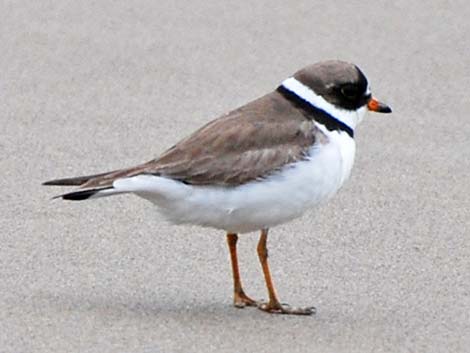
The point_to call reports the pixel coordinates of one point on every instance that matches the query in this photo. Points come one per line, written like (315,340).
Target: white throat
(351,118)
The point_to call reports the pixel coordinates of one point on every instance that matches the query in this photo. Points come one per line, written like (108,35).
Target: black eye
(349,91)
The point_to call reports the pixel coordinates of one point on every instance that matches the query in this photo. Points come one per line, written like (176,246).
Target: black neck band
(330,122)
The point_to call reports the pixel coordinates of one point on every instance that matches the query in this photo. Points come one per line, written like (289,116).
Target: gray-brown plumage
(244,145)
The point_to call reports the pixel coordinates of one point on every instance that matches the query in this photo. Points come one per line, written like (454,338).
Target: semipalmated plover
(258,166)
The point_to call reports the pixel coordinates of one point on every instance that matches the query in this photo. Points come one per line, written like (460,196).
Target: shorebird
(255,167)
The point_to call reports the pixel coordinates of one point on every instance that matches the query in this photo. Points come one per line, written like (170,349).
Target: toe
(277,308)
(242,301)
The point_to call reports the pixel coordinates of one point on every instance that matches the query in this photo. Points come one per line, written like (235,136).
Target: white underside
(279,198)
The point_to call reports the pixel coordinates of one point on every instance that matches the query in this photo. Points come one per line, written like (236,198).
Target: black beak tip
(385,109)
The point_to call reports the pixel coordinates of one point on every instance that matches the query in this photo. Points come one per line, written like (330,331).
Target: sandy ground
(91,86)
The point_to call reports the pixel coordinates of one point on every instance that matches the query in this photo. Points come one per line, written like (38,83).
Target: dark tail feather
(99,180)
(82,194)
(76,181)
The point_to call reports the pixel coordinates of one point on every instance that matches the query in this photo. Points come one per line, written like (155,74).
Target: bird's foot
(278,308)
(241,300)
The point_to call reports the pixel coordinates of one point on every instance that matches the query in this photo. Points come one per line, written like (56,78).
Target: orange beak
(379,107)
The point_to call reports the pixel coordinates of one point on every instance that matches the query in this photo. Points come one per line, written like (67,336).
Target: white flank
(349,117)
(259,204)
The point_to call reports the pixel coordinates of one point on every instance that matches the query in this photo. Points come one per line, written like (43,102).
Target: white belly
(277,199)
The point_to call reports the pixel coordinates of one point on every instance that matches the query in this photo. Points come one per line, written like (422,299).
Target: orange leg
(240,299)
(274,306)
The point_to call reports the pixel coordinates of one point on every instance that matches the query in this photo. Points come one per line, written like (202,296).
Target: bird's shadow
(118,307)
(122,305)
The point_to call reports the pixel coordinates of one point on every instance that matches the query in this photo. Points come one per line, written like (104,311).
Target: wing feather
(244,145)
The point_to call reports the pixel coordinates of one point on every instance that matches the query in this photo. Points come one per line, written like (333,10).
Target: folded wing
(244,145)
